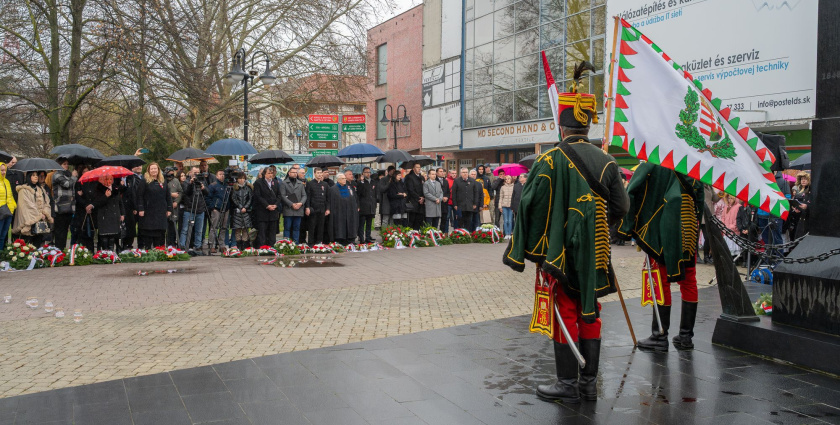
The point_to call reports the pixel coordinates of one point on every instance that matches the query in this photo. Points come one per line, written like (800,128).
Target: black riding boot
(566,387)
(687,317)
(591,351)
(658,341)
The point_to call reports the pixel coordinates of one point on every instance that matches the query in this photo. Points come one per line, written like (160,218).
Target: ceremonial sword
(568,337)
(653,295)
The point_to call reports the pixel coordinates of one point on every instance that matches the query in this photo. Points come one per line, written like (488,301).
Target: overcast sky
(402,6)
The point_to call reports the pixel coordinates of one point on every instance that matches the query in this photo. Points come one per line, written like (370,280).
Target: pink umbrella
(790,178)
(512,170)
(627,173)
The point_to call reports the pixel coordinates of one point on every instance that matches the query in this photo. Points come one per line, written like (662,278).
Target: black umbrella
(36,164)
(5,156)
(188,153)
(801,163)
(127,161)
(423,160)
(231,147)
(77,154)
(528,161)
(395,156)
(325,161)
(272,156)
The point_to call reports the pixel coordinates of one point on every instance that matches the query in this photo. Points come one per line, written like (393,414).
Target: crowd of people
(206,213)
(737,216)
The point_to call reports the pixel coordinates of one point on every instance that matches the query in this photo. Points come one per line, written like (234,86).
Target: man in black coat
(317,201)
(444,203)
(366,201)
(266,208)
(129,200)
(466,198)
(414,188)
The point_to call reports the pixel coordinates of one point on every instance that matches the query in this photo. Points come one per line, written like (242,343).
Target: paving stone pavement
(219,310)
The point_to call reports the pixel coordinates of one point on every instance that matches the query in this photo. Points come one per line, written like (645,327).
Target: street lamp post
(394,120)
(238,75)
(296,135)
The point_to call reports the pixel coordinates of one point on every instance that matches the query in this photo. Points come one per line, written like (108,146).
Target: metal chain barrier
(768,251)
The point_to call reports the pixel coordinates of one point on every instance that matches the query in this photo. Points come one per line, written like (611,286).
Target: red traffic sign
(352,119)
(327,119)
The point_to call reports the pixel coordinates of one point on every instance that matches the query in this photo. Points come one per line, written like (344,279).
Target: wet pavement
(484,373)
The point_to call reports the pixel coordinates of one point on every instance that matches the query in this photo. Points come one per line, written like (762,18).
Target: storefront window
(504,80)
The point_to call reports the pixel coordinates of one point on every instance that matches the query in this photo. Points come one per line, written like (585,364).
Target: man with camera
(194,211)
(216,204)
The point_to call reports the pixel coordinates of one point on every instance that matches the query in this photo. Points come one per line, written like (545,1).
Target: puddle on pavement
(307,261)
(161,271)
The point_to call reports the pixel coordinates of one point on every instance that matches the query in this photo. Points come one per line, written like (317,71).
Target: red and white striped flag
(553,95)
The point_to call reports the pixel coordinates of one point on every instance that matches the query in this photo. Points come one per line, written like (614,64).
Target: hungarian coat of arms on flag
(661,114)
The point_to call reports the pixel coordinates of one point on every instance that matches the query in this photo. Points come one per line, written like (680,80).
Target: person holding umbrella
(130,202)
(266,204)
(109,212)
(414,186)
(33,208)
(154,206)
(504,204)
(82,226)
(63,202)
(317,201)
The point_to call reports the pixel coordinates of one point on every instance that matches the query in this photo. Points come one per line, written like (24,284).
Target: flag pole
(605,145)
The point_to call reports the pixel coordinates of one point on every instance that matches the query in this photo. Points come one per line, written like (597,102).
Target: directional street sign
(323,119)
(323,152)
(352,119)
(318,135)
(323,127)
(314,144)
(352,127)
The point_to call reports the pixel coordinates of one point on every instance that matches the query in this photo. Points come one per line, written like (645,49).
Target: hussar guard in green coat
(572,194)
(665,208)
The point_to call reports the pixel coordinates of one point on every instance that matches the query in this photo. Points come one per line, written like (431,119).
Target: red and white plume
(553,95)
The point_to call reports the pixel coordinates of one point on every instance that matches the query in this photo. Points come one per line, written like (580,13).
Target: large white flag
(661,114)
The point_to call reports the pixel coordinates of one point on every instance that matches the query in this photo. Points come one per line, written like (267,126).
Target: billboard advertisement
(758,56)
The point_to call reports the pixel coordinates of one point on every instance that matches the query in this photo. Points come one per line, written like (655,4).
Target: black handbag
(123,230)
(87,226)
(409,207)
(4,210)
(40,228)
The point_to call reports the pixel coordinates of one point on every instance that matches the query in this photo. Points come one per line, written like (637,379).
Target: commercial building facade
(395,56)
(489,50)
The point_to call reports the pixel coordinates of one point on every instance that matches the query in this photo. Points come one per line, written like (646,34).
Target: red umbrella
(108,170)
(512,170)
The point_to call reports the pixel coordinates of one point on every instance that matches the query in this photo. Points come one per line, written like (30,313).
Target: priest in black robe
(343,211)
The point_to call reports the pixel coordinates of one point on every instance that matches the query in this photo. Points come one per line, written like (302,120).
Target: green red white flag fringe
(659,113)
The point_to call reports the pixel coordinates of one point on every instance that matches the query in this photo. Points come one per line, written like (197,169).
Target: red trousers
(570,310)
(688,286)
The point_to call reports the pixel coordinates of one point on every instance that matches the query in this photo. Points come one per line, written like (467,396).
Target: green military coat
(664,211)
(562,226)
